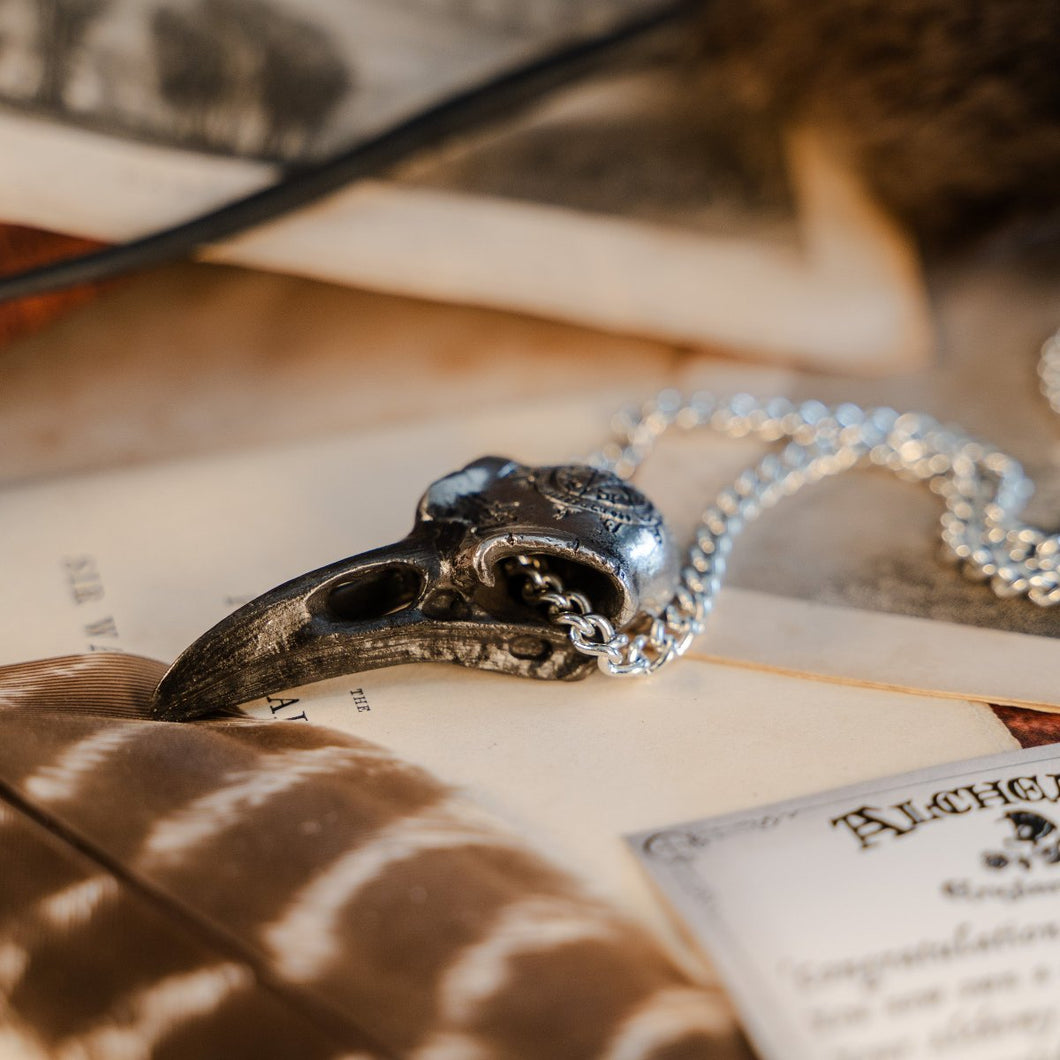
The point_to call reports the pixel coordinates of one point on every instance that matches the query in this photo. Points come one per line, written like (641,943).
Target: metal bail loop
(445,593)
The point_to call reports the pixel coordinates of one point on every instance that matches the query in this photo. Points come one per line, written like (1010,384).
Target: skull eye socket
(576,577)
(375,594)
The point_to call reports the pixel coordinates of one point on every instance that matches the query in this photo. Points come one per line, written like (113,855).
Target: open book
(145,560)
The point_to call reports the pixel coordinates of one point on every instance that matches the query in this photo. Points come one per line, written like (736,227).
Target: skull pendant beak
(445,592)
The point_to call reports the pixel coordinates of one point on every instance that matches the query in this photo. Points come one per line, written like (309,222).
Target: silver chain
(983,489)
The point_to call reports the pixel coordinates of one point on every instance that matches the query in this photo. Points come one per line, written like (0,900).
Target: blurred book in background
(645,201)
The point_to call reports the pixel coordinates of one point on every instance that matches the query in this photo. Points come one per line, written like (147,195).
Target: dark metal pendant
(443,594)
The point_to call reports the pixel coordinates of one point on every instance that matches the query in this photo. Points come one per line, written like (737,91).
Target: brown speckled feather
(243,888)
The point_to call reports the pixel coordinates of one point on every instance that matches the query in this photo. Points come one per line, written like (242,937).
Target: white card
(912,917)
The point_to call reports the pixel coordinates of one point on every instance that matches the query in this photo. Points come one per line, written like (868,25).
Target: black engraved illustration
(260,78)
(1035,840)
(224,61)
(63,25)
(279,80)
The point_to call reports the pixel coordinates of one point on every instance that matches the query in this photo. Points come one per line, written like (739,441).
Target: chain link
(984,491)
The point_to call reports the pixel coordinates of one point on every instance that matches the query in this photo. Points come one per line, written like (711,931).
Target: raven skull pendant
(443,593)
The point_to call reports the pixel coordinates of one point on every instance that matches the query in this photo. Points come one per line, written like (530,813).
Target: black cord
(494,98)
